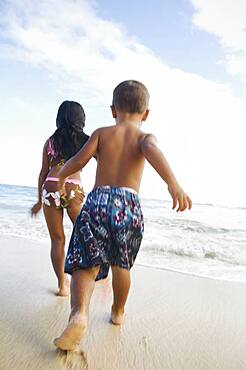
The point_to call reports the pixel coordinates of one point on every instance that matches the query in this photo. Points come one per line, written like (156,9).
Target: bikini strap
(50,148)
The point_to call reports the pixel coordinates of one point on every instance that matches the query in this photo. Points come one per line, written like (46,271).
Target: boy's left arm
(158,161)
(80,159)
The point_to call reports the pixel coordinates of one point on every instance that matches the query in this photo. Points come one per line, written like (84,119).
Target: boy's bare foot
(64,289)
(117,317)
(70,338)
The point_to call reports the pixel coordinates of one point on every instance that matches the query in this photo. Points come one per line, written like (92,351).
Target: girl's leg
(73,212)
(121,285)
(82,286)
(75,204)
(54,220)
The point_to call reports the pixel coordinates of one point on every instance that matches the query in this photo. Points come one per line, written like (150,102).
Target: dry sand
(174,321)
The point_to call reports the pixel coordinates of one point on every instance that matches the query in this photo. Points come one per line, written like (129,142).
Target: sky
(191,54)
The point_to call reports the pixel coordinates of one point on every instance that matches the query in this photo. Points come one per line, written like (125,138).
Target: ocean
(209,240)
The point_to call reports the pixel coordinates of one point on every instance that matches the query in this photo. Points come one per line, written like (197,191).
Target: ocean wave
(210,239)
(192,226)
(233,256)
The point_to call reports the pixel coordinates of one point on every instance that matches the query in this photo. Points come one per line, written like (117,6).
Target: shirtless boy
(109,229)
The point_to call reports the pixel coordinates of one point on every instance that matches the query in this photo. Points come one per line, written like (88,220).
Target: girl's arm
(42,176)
(158,161)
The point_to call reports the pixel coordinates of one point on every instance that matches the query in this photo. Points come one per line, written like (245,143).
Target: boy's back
(120,161)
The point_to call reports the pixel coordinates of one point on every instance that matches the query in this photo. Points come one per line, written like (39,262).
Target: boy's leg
(82,286)
(121,285)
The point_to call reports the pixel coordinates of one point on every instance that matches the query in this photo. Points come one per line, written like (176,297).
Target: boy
(109,229)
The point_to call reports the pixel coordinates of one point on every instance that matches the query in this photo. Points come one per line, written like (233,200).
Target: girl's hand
(36,208)
(179,197)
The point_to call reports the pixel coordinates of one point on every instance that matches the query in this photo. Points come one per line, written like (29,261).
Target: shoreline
(140,264)
(173,320)
(200,276)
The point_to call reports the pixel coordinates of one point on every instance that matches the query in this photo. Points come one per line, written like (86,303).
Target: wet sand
(173,321)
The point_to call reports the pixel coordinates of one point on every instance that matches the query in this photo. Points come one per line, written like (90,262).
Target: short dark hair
(131,96)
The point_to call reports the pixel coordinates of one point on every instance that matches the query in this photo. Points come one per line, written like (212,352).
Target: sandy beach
(174,321)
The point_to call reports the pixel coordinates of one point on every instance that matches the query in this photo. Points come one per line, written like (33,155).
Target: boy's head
(131,97)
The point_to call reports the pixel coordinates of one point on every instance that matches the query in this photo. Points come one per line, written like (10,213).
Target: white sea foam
(209,240)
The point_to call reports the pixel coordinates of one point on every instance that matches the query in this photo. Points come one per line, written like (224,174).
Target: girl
(66,141)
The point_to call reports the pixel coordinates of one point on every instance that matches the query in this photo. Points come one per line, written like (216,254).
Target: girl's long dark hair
(69,137)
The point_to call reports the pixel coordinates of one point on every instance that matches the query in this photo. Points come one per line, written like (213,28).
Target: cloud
(68,37)
(227,20)
(199,123)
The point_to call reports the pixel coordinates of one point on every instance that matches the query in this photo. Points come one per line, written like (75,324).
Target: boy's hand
(36,208)
(61,186)
(180,198)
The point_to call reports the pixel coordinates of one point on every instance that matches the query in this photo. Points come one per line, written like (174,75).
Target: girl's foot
(71,336)
(64,289)
(117,316)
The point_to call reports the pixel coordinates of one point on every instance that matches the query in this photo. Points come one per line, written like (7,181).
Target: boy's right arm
(158,161)
(77,162)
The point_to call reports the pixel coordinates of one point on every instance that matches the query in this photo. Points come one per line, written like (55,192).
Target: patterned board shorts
(108,231)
